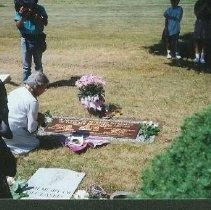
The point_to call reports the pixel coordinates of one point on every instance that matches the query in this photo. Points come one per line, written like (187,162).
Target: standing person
(30,19)
(173,16)
(7,160)
(202,11)
(23,113)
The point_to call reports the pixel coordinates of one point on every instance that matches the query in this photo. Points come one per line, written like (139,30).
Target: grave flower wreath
(91,92)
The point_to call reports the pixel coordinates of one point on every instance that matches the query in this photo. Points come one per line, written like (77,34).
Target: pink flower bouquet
(91,92)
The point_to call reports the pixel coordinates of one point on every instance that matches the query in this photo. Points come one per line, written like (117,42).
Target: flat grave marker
(109,128)
(53,183)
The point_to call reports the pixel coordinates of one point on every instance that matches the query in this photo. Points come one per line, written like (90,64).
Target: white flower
(93,102)
(81,194)
(10,180)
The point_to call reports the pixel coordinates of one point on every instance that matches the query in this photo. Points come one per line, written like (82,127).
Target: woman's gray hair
(37,78)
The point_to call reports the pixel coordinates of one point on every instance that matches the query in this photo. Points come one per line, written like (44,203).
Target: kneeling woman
(23,113)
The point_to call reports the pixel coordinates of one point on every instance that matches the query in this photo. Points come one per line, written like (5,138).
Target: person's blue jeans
(27,54)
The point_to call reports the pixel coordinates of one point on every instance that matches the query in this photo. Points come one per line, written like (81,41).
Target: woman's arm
(170,17)
(32,117)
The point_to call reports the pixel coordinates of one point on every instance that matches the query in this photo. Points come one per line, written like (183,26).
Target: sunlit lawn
(111,39)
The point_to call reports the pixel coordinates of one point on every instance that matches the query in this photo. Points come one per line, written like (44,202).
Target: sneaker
(169,56)
(196,60)
(202,61)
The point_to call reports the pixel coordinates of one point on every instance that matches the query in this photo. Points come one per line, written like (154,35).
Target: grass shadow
(111,110)
(62,83)
(190,65)
(48,142)
(186,48)
(157,48)
(111,107)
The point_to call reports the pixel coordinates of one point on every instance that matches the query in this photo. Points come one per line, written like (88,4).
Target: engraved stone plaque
(111,128)
(53,183)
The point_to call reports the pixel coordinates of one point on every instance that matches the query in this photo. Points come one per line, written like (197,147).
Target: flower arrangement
(148,131)
(91,92)
(48,118)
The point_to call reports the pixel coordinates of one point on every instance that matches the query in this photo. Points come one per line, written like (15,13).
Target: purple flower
(89,80)
(90,85)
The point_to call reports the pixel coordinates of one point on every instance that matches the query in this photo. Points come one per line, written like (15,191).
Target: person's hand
(23,10)
(26,12)
(41,119)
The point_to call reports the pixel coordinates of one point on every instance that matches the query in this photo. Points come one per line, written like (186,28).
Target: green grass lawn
(112,39)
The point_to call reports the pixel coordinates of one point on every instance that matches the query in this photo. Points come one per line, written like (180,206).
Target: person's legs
(26,59)
(197,50)
(200,51)
(173,47)
(200,36)
(37,55)
(197,37)
(203,51)
(204,41)
(22,142)
(168,47)
(176,47)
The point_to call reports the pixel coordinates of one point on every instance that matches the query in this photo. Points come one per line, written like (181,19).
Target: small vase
(94,103)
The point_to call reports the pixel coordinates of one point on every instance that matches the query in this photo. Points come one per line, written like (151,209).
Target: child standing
(173,16)
(202,10)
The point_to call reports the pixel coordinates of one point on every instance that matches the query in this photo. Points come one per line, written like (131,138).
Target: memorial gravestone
(114,128)
(53,183)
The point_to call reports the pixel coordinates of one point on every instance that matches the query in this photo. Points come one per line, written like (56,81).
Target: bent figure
(23,113)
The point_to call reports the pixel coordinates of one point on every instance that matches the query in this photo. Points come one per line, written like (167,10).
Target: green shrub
(184,170)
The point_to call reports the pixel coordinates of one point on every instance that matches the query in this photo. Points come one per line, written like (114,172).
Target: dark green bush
(184,170)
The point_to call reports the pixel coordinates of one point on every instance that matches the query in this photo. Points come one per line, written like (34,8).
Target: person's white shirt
(23,110)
